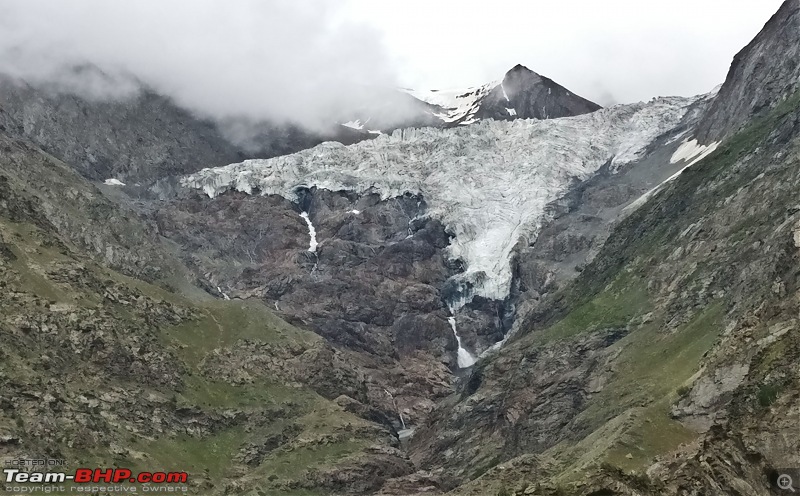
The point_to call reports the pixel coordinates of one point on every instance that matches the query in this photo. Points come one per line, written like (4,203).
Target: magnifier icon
(785,482)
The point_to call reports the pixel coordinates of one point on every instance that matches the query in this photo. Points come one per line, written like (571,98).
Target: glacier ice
(488,183)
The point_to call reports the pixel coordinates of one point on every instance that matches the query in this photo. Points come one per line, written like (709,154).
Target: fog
(280,60)
(306,61)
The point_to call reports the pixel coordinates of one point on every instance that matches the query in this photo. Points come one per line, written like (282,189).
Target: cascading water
(312,244)
(465,358)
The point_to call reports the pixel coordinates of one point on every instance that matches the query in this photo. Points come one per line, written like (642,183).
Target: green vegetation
(613,308)
(312,432)
(628,423)
(222,323)
(768,394)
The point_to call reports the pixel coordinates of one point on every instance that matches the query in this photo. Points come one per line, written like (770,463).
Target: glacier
(489,183)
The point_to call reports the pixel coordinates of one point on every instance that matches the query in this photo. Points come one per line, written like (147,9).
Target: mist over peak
(281,61)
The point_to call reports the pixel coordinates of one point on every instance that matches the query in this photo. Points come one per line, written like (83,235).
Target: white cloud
(618,50)
(280,59)
(302,60)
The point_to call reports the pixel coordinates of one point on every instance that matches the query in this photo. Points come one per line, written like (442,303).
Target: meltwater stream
(312,244)
(465,358)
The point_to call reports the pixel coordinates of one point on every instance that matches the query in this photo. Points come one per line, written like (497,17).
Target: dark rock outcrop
(762,75)
(531,96)
(373,284)
(142,138)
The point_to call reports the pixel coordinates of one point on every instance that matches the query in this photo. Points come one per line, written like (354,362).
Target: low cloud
(281,60)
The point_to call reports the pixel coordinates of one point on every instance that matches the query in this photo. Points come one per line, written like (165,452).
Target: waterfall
(312,245)
(465,358)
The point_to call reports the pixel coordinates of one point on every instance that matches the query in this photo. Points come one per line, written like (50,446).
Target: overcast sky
(620,50)
(297,60)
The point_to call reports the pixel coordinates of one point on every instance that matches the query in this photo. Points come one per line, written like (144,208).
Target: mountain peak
(520,73)
(521,94)
(519,68)
(526,94)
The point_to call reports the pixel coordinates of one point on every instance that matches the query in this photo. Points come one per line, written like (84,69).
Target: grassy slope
(219,324)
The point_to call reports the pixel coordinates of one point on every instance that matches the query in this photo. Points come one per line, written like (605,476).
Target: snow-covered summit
(488,183)
(457,105)
(522,93)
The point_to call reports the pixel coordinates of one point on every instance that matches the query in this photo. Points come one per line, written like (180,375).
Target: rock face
(524,94)
(372,284)
(762,75)
(95,364)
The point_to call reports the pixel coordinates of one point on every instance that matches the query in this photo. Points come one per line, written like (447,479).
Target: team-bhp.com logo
(88,475)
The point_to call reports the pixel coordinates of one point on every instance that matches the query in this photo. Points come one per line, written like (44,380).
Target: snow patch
(355,212)
(113,182)
(404,434)
(489,183)
(223,293)
(689,150)
(457,104)
(511,111)
(465,358)
(312,244)
(505,95)
(356,124)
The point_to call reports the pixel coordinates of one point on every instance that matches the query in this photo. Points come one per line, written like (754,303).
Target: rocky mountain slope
(600,303)
(101,368)
(145,137)
(522,94)
(762,75)
(413,214)
(665,368)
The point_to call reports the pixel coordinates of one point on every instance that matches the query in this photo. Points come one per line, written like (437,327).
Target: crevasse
(489,182)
